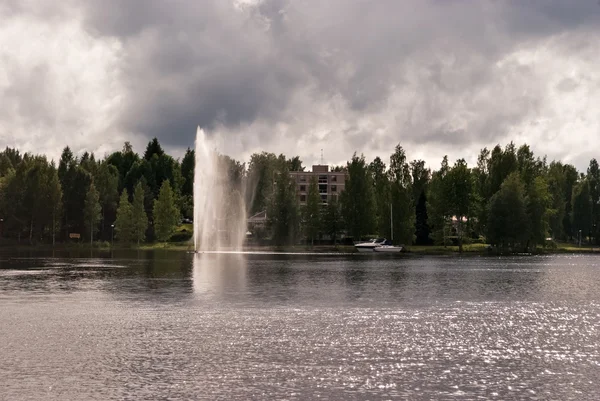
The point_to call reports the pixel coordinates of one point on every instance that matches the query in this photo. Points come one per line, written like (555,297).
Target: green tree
(283,211)
(421,177)
(539,210)
(312,211)
(153,149)
(501,164)
(508,223)
(106,181)
(91,211)
(556,189)
(124,222)
(381,194)
(437,203)
(593,176)
(260,181)
(481,191)
(460,196)
(139,216)
(295,164)
(54,195)
(582,208)
(187,171)
(358,206)
(332,219)
(402,203)
(571,177)
(166,214)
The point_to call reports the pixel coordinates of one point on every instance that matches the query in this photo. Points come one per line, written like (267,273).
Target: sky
(440,77)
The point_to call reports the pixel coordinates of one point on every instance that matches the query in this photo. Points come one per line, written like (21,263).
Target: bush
(181,236)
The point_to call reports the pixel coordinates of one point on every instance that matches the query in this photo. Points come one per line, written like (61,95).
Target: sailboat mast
(392,222)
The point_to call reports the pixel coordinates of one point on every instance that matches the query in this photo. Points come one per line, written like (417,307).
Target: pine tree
(139,217)
(166,214)
(124,223)
(91,211)
(55,198)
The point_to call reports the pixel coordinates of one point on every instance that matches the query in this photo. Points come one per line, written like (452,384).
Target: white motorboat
(388,249)
(388,246)
(369,246)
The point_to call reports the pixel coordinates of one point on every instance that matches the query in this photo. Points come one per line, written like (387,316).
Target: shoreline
(417,250)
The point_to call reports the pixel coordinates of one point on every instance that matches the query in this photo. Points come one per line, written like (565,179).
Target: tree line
(510,198)
(122,196)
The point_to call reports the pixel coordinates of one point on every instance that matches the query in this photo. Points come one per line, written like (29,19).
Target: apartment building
(331,184)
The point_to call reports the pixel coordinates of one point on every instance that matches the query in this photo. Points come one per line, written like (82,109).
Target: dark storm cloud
(213,64)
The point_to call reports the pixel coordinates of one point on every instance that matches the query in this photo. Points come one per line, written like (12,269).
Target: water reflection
(215,273)
(169,325)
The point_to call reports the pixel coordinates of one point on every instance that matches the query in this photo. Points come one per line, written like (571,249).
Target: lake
(173,325)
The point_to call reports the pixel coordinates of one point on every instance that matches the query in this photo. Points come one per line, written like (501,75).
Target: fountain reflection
(219,273)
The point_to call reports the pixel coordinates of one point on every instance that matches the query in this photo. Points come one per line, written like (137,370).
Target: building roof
(258,217)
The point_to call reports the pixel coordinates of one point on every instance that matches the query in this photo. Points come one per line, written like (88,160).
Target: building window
(302,188)
(334,188)
(333,178)
(302,178)
(302,198)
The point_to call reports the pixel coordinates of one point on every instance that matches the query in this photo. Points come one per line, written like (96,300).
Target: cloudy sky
(297,76)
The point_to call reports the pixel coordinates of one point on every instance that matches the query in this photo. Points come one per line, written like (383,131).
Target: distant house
(331,183)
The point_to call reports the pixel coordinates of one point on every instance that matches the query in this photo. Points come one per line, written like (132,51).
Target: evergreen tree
(92,211)
(593,176)
(582,209)
(187,171)
(166,214)
(420,180)
(124,223)
(571,176)
(140,219)
(55,201)
(153,149)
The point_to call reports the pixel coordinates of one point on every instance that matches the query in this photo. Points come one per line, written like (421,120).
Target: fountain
(219,209)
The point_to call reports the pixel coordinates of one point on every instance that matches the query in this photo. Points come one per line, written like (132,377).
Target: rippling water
(180,326)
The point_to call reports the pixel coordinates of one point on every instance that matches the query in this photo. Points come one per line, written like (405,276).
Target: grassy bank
(187,246)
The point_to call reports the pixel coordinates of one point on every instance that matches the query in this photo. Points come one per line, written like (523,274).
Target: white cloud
(59,85)
(299,76)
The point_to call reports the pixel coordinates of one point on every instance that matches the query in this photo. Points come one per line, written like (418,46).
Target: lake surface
(169,325)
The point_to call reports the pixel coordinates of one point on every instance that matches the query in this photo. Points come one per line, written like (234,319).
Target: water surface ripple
(166,325)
